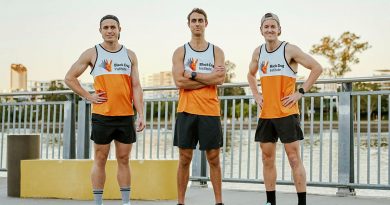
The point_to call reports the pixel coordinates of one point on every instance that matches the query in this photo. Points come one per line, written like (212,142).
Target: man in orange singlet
(198,67)
(117,87)
(277,64)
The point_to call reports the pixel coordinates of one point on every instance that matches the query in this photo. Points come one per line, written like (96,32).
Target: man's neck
(111,46)
(272,45)
(198,43)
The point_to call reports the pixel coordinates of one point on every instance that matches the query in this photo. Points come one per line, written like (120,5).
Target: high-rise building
(18,77)
(163,78)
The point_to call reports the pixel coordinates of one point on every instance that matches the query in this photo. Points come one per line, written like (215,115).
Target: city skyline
(47,36)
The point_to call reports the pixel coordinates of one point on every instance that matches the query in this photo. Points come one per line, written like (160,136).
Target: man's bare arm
(253,68)
(76,70)
(308,62)
(178,72)
(253,71)
(138,96)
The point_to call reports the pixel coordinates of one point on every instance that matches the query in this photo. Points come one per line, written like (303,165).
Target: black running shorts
(108,128)
(287,129)
(190,129)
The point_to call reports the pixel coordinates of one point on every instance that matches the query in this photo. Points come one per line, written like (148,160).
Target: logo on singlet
(106,64)
(263,66)
(191,63)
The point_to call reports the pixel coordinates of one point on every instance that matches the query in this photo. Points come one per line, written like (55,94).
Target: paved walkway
(204,196)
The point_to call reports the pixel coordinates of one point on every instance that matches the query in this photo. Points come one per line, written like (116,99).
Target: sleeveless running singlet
(203,101)
(277,81)
(112,74)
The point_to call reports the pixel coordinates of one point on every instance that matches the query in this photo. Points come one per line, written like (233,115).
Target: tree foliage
(55,97)
(341,52)
(230,67)
(232,91)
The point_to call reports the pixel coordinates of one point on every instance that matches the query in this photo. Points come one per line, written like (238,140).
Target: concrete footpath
(204,196)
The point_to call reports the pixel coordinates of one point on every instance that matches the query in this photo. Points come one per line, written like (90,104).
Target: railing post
(346,141)
(203,167)
(69,151)
(199,168)
(83,130)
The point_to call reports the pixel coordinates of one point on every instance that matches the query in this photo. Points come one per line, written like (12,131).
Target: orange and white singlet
(203,101)
(112,74)
(277,81)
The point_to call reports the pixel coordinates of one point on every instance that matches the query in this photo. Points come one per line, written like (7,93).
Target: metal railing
(53,121)
(346,134)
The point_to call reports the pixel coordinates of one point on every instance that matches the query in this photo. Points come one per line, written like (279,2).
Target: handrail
(225,85)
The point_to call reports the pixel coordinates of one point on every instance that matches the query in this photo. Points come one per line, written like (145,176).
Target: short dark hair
(199,11)
(109,17)
(113,18)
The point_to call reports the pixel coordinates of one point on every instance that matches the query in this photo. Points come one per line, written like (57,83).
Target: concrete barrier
(70,179)
(19,147)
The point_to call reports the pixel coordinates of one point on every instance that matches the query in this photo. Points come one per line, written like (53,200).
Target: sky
(48,36)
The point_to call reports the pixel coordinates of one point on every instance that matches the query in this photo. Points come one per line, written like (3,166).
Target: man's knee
(123,158)
(268,159)
(100,159)
(294,160)
(213,158)
(100,164)
(292,151)
(185,159)
(214,161)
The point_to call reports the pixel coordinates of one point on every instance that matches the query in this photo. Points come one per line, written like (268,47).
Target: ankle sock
(271,197)
(98,196)
(301,198)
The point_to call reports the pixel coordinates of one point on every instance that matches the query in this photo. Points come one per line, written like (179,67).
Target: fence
(346,134)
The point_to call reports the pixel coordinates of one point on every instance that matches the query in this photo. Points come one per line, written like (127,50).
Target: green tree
(233,91)
(53,87)
(230,66)
(341,53)
(361,86)
(246,109)
(162,110)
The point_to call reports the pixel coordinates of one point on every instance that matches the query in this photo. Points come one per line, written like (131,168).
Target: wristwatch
(193,75)
(301,90)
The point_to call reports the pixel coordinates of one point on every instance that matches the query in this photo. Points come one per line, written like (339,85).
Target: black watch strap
(301,90)
(193,75)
